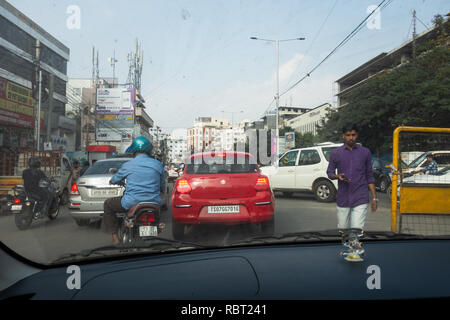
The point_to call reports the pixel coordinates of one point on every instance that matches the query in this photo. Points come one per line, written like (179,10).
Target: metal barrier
(420,197)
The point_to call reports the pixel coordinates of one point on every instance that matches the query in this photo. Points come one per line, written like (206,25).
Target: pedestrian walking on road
(74,173)
(353,163)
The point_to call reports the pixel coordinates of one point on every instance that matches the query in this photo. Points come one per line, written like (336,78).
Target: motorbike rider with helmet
(145,181)
(31,178)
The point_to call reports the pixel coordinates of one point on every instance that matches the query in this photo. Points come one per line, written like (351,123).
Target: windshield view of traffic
(154,127)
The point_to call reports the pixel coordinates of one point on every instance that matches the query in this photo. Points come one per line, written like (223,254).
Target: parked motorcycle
(28,207)
(140,222)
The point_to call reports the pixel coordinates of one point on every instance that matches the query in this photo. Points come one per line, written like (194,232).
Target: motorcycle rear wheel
(53,212)
(24,218)
(126,235)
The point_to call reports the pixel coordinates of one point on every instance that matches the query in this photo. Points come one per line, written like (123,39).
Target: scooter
(27,207)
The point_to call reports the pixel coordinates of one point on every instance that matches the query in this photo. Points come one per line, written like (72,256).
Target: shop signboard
(17,105)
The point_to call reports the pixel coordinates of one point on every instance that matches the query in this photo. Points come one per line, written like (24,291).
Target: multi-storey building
(177,147)
(201,136)
(308,121)
(26,50)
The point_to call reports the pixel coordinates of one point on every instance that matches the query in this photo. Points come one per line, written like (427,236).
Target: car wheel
(384,184)
(177,230)
(82,222)
(324,191)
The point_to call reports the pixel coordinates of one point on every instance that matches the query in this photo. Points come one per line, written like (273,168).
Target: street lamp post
(277,96)
(232,114)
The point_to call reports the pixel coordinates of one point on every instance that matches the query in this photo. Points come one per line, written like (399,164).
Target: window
(223,167)
(66,164)
(289,159)
(309,157)
(376,164)
(103,167)
(442,159)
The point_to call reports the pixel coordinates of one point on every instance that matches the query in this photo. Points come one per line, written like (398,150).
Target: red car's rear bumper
(195,211)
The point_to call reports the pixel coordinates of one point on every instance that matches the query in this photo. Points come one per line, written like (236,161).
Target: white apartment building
(177,149)
(308,121)
(225,139)
(201,136)
(210,133)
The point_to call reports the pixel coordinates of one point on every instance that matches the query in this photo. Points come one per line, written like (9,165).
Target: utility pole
(277,96)
(91,98)
(38,142)
(50,107)
(38,77)
(414,35)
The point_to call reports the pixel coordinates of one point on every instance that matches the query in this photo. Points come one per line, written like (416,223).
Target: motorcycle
(28,207)
(142,221)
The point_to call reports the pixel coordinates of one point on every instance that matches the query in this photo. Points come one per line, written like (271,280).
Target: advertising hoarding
(289,138)
(114,127)
(17,105)
(115,114)
(115,101)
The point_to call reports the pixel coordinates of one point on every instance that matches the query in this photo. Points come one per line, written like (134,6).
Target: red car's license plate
(223,209)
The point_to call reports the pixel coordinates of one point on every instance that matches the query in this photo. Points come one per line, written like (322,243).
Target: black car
(381,174)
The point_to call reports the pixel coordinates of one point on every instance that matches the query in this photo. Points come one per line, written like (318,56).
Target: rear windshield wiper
(331,235)
(156,243)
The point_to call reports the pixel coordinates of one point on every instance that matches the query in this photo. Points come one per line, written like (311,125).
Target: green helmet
(141,145)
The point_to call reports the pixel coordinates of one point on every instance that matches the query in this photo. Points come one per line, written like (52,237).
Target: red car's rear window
(237,164)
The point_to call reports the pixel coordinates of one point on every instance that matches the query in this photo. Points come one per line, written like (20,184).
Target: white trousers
(352,217)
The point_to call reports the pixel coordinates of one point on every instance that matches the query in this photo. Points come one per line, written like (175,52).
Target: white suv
(304,169)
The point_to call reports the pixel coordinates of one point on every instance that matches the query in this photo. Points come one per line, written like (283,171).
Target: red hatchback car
(222,188)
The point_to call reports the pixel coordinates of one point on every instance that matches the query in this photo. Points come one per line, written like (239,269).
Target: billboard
(289,138)
(114,127)
(17,105)
(115,114)
(115,101)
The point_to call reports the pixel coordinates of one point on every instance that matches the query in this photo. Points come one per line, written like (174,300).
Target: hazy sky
(199,60)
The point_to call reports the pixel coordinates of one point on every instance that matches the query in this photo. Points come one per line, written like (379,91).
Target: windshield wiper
(330,235)
(160,245)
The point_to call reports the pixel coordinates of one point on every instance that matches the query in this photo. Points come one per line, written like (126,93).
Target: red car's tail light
(16,201)
(183,186)
(262,184)
(74,190)
(147,218)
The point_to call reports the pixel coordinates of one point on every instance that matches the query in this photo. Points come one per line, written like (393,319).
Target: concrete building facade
(308,121)
(26,49)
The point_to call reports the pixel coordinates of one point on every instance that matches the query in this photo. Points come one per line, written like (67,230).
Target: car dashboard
(402,269)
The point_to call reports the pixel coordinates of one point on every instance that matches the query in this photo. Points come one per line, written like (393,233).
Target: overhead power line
(381,6)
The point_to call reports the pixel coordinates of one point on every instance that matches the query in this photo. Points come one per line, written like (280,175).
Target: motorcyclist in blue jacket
(144,181)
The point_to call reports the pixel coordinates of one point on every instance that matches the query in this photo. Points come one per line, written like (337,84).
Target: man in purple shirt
(354,172)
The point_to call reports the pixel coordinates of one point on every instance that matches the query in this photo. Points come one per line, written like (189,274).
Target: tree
(414,94)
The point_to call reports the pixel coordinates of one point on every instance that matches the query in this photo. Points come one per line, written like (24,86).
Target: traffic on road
(228,149)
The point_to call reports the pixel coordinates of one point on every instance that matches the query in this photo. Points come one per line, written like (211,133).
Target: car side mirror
(113,170)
